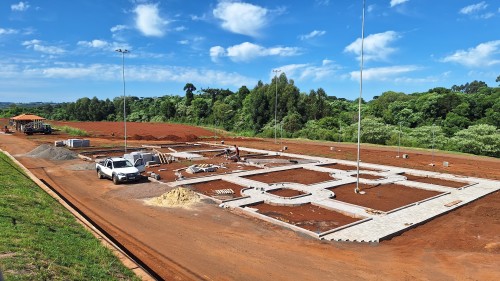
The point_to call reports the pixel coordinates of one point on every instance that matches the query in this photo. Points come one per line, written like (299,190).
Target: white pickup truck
(120,169)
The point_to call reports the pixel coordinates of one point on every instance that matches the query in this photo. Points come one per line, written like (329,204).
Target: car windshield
(122,164)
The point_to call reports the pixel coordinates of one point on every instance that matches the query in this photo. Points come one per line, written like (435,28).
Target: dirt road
(210,243)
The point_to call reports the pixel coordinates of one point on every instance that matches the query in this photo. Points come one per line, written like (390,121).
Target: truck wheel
(99,174)
(115,180)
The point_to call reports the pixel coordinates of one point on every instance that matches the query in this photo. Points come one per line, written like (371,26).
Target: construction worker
(236,156)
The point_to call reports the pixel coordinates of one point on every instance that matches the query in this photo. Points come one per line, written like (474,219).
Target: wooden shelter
(19,121)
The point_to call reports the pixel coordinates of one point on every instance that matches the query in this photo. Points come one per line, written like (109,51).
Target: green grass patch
(41,240)
(73,131)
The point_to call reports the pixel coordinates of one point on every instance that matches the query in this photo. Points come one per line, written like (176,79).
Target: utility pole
(399,139)
(356,190)
(276,71)
(123,52)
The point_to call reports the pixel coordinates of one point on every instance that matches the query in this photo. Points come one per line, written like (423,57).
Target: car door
(140,165)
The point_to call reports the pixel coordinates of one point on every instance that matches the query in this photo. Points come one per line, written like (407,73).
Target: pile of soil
(47,151)
(178,197)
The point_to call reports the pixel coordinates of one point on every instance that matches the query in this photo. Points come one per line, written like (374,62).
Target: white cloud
(119,27)
(309,71)
(376,46)
(484,54)
(198,18)
(312,34)
(370,8)
(7,31)
(141,73)
(216,52)
(183,42)
(241,18)
(103,45)
(20,7)
(397,2)
(94,43)
(247,51)
(148,20)
(37,46)
(384,73)
(471,9)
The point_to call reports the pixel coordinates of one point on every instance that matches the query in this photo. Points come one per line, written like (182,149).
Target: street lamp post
(276,71)
(123,52)
(399,139)
(432,164)
(357,190)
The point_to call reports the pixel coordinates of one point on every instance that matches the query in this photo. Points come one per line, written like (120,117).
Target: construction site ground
(206,242)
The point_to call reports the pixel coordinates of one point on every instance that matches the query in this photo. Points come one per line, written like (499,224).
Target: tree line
(462,118)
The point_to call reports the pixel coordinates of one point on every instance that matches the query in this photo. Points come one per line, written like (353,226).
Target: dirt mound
(178,197)
(53,153)
(140,137)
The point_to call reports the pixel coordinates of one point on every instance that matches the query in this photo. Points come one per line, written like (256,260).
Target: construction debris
(227,191)
(166,158)
(452,203)
(201,168)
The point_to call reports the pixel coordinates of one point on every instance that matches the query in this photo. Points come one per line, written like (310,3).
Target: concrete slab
(374,226)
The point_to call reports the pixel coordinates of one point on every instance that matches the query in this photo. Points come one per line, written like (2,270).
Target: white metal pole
(399,139)
(276,71)
(360,95)
(123,52)
(432,144)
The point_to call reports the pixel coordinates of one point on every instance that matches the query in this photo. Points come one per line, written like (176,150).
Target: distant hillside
(25,105)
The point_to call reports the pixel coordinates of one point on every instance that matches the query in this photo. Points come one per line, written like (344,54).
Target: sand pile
(47,151)
(178,197)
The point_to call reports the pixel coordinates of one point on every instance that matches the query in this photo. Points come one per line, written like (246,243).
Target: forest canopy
(464,118)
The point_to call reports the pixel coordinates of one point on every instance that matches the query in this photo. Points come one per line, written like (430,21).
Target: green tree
(189,88)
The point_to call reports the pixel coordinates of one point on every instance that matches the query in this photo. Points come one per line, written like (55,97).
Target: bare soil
(436,181)
(307,216)
(346,167)
(298,175)
(139,131)
(286,192)
(208,188)
(383,197)
(368,176)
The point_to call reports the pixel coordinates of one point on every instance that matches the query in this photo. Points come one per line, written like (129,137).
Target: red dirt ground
(384,197)
(168,175)
(346,167)
(139,131)
(442,182)
(299,175)
(209,243)
(208,188)
(286,192)
(307,216)
(368,176)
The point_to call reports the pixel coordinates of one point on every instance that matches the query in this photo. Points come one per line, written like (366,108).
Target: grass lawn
(41,240)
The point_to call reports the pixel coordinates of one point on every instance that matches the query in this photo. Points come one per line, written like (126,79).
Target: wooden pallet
(227,191)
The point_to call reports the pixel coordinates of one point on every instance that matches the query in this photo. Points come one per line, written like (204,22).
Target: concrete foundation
(374,225)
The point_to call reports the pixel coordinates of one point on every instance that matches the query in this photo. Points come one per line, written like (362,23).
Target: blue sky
(60,50)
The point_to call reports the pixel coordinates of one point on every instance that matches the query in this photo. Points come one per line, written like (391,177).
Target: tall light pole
(276,71)
(432,164)
(123,52)
(356,190)
(399,138)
